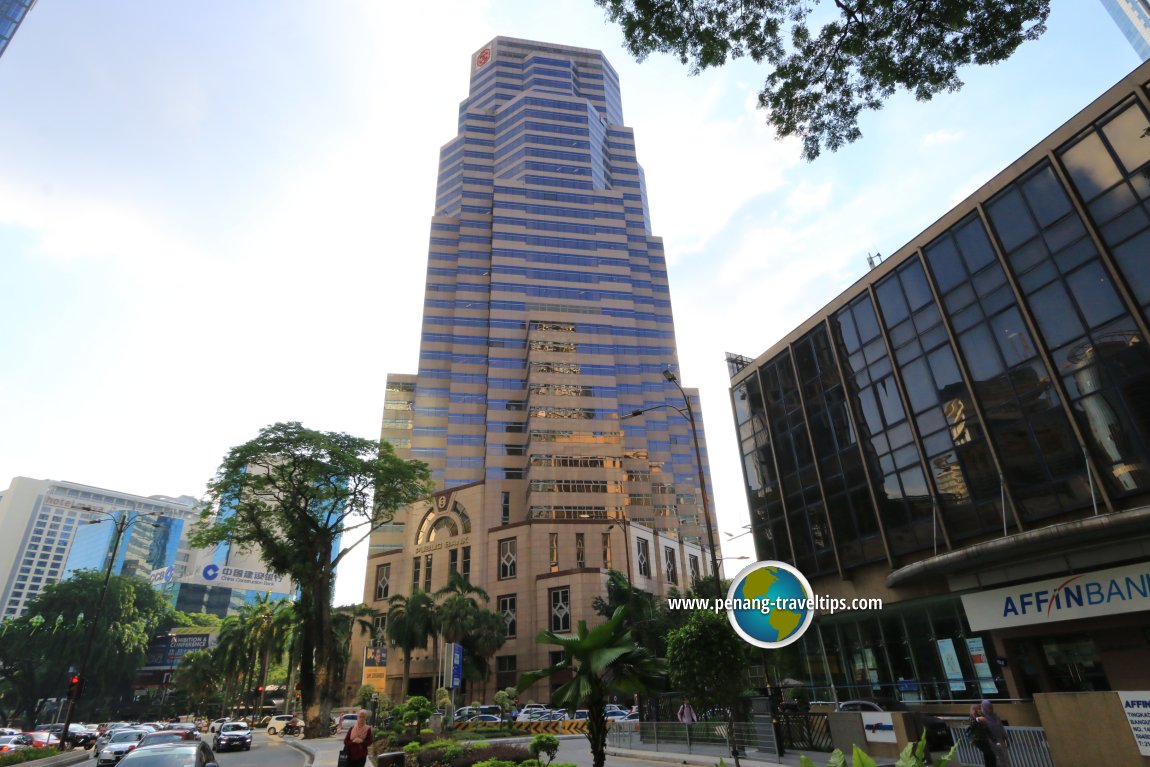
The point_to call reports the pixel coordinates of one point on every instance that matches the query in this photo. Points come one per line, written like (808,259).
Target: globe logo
(770,604)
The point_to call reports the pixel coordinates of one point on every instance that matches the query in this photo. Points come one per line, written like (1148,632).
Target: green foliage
(544,745)
(496,763)
(413,747)
(417,710)
(913,755)
(821,79)
(708,661)
(363,697)
(600,660)
(442,697)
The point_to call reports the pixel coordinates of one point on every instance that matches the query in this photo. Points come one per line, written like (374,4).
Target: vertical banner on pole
(456,666)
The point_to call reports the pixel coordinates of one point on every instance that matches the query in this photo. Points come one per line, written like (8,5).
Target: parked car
(616,715)
(464,713)
(215,725)
(121,742)
(938,736)
(233,735)
(16,742)
(488,718)
(189,754)
(347,721)
(277,723)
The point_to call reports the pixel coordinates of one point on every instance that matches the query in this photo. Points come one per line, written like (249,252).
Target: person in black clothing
(980,736)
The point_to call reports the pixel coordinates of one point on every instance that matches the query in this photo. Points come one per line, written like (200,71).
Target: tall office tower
(1133,18)
(12,12)
(547,318)
(47,535)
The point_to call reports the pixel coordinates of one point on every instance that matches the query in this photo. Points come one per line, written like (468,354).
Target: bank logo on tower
(771,604)
(211,572)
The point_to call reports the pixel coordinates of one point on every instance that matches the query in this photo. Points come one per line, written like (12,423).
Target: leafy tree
(647,622)
(479,647)
(200,677)
(544,745)
(345,622)
(292,493)
(599,660)
(821,79)
(416,711)
(708,662)
(363,697)
(38,649)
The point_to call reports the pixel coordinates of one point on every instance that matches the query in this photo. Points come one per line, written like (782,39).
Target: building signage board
(879,727)
(375,666)
(951,665)
(1137,708)
(1069,597)
(981,668)
(212,574)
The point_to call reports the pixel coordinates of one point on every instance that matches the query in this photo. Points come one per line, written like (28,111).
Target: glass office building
(12,12)
(970,423)
(547,317)
(1133,18)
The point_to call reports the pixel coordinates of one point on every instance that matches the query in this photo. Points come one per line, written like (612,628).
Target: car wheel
(271,731)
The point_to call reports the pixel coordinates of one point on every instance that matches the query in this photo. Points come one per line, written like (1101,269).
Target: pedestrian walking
(980,736)
(997,731)
(357,742)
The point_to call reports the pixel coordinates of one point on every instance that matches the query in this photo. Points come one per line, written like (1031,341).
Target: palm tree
(457,613)
(487,636)
(268,626)
(344,621)
(600,660)
(409,626)
(198,675)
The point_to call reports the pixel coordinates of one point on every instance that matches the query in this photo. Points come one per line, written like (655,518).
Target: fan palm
(600,660)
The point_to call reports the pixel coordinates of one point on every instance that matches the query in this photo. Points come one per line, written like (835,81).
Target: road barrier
(565,727)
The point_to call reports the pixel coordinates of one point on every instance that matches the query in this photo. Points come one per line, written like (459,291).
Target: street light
(689,414)
(121,523)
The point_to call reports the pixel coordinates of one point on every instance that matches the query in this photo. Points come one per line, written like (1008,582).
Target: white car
(277,722)
(347,721)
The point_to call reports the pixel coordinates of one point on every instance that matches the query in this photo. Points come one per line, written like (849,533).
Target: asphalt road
(267,751)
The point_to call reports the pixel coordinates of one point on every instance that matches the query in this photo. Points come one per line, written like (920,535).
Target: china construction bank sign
(1104,592)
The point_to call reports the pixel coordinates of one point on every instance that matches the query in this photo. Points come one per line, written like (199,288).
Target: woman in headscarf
(997,734)
(980,736)
(358,741)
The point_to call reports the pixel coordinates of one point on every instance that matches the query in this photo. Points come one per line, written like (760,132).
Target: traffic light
(260,688)
(75,687)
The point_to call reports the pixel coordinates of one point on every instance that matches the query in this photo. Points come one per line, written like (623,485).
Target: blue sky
(214,216)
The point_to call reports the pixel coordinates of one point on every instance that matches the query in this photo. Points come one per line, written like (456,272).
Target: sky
(214,216)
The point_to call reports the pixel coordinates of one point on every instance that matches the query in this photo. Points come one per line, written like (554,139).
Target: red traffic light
(260,688)
(75,687)
(75,679)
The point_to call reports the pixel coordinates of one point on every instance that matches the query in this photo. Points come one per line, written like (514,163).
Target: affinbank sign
(1070,597)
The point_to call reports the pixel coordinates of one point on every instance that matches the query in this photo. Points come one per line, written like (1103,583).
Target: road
(267,751)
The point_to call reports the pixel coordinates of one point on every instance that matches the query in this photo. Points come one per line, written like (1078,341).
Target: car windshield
(126,736)
(233,728)
(161,757)
(152,739)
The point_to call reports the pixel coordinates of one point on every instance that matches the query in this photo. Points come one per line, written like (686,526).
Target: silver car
(121,742)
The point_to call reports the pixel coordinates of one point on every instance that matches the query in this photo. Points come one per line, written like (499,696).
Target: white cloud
(942,137)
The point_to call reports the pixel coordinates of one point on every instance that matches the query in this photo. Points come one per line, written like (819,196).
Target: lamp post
(689,414)
(121,524)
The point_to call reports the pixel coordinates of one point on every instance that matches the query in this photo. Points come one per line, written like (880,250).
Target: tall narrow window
(379,630)
(693,562)
(553,548)
(669,568)
(427,574)
(382,582)
(465,570)
(506,673)
(507,610)
(606,551)
(560,609)
(644,557)
(415,574)
(580,550)
(506,508)
(453,560)
(507,559)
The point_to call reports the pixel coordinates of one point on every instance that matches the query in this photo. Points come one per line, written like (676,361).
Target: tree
(199,676)
(647,622)
(344,621)
(409,621)
(708,663)
(822,79)
(363,698)
(487,636)
(38,648)
(602,659)
(293,493)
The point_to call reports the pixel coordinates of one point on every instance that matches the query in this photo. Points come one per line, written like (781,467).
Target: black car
(937,732)
(78,735)
(233,735)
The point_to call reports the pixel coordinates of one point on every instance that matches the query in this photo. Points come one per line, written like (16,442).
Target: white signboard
(1137,708)
(951,665)
(212,574)
(1069,597)
(879,727)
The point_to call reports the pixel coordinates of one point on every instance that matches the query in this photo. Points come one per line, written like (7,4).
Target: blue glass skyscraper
(12,12)
(1133,18)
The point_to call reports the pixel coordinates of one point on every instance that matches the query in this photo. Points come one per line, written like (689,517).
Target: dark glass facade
(990,379)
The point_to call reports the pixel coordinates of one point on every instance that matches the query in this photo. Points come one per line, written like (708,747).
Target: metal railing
(1027,747)
(753,739)
(805,731)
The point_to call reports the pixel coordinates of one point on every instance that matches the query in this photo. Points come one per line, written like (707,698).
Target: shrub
(496,763)
(503,752)
(27,755)
(542,744)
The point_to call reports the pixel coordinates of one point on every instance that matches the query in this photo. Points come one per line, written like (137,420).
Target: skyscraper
(547,320)
(12,12)
(1133,18)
